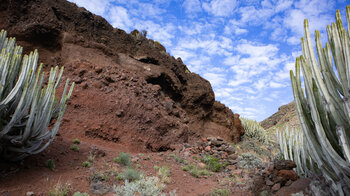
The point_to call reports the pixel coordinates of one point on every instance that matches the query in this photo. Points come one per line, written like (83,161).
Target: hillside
(127,84)
(285,116)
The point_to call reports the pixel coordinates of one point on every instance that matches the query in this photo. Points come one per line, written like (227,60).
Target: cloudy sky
(244,48)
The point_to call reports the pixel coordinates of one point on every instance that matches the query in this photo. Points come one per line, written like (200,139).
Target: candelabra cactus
(292,146)
(27,106)
(324,109)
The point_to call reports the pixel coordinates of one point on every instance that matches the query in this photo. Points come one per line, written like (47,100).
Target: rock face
(285,116)
(129,89)
(277,176)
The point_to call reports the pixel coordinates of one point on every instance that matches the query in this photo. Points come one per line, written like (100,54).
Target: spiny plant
(27,105)
(324,107)
(292,146)
(254,130)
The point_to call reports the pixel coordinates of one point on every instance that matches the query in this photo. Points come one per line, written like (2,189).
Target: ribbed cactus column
(324,108)
(27,106)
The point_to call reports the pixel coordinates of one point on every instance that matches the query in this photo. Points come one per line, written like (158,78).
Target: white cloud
(192,7)
(98,7)
(119,18)
(277,85)
(220,7)
(147,10)
(160,32)
(215,79)
(238,81)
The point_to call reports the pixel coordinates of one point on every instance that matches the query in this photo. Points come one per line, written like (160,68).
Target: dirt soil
(131,96)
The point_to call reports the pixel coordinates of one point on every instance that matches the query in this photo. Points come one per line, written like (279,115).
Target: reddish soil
(131,96)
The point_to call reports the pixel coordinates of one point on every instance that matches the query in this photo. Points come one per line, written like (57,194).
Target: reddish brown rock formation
(128,90)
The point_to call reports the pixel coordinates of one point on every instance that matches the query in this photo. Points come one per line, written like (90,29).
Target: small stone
(99,188)
(211,138)
(207,148)
(135,159)
(120,113)
(149,106)
(288,175)
(232,156)
(231,167)
(30,193)
(230,150)
(98,70)
(219,138)
(85,85)
(289,182)
(201,165)
(224,155)
(186,154)
(217,142)
(204,139)
(269,183)
(276,187)
(237,172)
(285,164)
(270,169)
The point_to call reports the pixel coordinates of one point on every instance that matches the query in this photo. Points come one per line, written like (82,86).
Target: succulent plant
(292,146)
(324,107)
(254,130)
(27,105)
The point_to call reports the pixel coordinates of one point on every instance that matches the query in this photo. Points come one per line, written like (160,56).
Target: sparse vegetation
(204,172)
(91,157)
(220,192)
(194,172)
(123,159)
(60,190)
(156,167)
(212,163)
(146,186)
(249,161)
(75,148)
(86,164)
(164,174)
(253,130)
(76,141)
(80,194)
(50,164)
(131,174)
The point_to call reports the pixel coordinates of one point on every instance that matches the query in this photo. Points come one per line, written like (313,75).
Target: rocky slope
(129,91)
(285,116)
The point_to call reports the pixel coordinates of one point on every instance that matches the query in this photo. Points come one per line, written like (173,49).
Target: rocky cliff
(129,90)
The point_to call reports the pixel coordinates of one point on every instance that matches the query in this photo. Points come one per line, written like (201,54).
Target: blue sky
(244,48)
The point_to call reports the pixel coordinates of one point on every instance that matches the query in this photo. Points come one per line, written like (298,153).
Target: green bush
(50,164)
(80,194)
(146,186)
(220,192)
(86,164)
(60,190)
(131,174)
(194,172)
(75,148)
(27,105)
(249,161)
(76,141)
(212,163)
(123,159)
